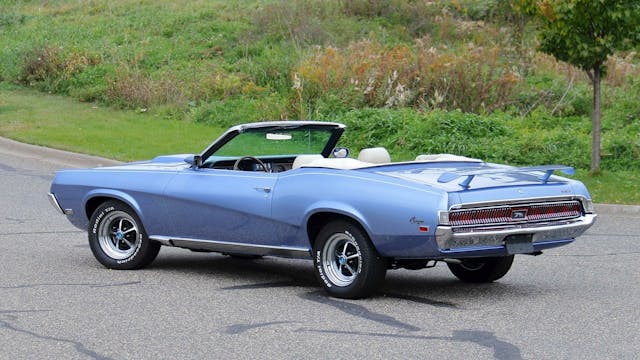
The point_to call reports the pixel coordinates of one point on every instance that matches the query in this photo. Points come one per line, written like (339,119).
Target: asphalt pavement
(580,301)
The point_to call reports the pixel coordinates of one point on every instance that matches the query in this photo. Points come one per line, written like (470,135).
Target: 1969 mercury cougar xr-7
(285,189)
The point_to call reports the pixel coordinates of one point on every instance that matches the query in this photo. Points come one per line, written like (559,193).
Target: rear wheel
(482,270)
(345,261)
(117,238)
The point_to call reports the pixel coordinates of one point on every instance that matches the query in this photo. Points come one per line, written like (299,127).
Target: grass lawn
(63,123)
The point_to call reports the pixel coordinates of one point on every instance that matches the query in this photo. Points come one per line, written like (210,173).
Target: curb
(617,209)
(54,156)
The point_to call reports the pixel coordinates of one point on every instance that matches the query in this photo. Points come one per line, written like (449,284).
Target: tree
(584,33)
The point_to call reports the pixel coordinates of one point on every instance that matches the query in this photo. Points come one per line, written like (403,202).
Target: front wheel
(117,238)
(482,270)
(345,261)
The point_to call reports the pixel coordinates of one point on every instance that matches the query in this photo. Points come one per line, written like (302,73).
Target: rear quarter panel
(390,210)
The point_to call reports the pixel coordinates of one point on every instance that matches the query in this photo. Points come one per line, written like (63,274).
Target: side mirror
(340,152)
(195,161)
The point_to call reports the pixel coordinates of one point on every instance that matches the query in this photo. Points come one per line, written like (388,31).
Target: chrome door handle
(265,189)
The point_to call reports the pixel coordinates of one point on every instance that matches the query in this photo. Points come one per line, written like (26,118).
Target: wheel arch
(318,219)
(94,198)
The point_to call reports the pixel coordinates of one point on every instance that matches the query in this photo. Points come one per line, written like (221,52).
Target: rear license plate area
(519,244)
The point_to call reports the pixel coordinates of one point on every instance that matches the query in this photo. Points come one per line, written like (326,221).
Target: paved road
(577,302)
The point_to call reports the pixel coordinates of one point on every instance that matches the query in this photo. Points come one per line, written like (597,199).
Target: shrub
(49,68)
(42,64)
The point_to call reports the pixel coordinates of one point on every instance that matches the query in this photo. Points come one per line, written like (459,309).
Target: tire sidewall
(136,259)
(368,275)
(491,269)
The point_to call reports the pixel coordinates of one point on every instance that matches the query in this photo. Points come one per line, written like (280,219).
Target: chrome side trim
(446,238)
(231,247)
(55,204)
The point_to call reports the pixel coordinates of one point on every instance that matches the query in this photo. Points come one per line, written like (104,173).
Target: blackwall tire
(345,262)
(117,238)
(482,270)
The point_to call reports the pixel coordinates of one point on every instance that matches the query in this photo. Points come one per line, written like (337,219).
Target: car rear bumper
(447,238)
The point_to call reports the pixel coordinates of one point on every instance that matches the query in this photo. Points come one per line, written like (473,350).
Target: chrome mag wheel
(345,261)
(341,259)
(118,235)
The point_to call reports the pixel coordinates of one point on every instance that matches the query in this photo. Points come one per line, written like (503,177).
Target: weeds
(50,68)
(370,74)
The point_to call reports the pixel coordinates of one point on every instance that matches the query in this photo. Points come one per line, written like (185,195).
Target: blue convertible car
(285,189)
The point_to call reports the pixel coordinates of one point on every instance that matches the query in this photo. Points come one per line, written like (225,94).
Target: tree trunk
(596,120)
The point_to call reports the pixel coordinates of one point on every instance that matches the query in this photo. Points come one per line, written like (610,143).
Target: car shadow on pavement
(428,287)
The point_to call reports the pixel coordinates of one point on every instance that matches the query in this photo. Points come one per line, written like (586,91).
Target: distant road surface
(581,301)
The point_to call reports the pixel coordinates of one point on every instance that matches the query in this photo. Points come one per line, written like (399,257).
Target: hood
(163,162)
(168,159)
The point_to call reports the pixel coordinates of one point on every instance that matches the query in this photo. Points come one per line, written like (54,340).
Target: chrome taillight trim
(503,214)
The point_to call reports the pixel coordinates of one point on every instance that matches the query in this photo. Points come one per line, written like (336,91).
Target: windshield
(277,142)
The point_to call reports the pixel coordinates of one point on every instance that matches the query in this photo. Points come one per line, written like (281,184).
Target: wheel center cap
(119,235)
(342,260)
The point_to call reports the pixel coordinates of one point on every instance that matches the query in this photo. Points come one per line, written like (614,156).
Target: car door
(222,205)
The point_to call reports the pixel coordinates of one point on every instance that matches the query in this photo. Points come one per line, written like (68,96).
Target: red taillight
(516,213)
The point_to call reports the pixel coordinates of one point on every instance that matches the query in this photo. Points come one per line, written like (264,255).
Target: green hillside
(457,76)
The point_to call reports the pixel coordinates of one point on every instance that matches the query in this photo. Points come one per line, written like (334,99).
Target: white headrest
(377,155)
(304,160)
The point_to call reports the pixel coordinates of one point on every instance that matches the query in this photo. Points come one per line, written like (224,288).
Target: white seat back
(304,160)
(377,155)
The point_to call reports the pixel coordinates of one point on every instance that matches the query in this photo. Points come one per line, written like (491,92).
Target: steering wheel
(254,159)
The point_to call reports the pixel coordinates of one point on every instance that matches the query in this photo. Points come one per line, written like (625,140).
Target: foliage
(463,72)
(367,73)
(538,138)
(584,33)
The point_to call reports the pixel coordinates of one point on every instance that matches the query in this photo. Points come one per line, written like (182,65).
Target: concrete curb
(74,160)
(617,209)
(60,158)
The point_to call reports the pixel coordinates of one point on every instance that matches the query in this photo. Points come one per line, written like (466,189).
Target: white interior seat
(376,155)
(302,160)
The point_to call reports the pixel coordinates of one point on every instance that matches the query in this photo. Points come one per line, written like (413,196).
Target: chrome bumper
(446,238)
(54,203)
